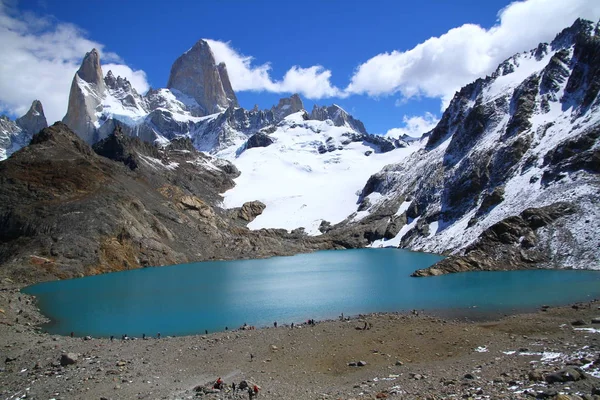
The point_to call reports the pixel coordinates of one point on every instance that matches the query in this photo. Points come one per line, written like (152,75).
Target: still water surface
(191,298)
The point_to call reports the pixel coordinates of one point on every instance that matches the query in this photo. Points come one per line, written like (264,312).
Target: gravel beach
(551,353)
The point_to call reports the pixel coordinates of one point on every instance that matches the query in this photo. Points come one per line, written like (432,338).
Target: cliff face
(85,98)
(196,74)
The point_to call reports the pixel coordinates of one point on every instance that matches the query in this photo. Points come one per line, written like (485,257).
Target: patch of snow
(403,207)
(590,330)
(299,186)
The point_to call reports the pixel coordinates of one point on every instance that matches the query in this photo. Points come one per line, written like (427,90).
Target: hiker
(292,325)
(275,324)
(233,387)
(365,327)
(72,334)
(218,384)
(158,335)
(206,331)
(250,393)
(255,388)
(112,338)
(251,356)
(143,336)
(226,328)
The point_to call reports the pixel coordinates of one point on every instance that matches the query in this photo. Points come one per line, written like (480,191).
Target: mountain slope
(308,172)
(67,211)
(524,138)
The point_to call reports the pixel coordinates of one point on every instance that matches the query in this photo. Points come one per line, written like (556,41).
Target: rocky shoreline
(552,353)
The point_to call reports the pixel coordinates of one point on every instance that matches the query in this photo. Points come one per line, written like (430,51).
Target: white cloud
(414,126)
(39,58)
(441,65)
(312,83)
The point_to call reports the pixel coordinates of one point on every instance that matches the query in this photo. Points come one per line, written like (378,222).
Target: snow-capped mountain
(307,172)
(508,177)
(18,133)
(513,163)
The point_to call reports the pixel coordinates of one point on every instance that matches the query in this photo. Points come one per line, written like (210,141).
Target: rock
(469,376)
(568,374)
(68,359)
(596,320)
(87,338)
(287,106)
(535,376)
(87,91)
(250,210)
(339,117)
(361,363)
(196,74)
(259,140)
(9,359)
(578,322)
(399,363)
(34,120)
(352,364)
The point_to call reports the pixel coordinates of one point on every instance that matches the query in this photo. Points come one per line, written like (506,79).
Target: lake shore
(407,356)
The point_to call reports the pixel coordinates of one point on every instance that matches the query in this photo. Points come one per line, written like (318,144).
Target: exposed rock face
(517,242)
(231,97)
(18,133)
(506,144)
(196,74)
(34,120)
(287,106)
(259,139)
(85,98)
(251,210)
(66,211)
(339,117)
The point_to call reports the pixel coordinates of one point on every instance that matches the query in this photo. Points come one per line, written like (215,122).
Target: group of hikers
(252,389)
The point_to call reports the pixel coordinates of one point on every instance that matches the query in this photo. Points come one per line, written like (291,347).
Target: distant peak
(34,120)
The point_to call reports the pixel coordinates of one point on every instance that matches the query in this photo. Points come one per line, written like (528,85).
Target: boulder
(568,374)
(250,210)
(259,140)
(68,359)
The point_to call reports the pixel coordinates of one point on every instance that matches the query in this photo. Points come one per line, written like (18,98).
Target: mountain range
(507,179)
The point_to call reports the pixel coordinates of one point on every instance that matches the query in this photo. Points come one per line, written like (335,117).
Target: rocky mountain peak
(85,97)
(91,71)
(338,115)
(231,97)
(287,106)
(196,74)
(567,36)
(34,120)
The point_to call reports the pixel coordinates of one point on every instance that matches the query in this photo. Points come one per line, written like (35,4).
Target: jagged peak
(34,120)
(90,70)
(196,74)
(567,36)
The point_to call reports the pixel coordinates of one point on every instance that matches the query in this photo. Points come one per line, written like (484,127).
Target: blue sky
(389,63)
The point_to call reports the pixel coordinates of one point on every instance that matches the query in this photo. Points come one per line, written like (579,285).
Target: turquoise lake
(191,298)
